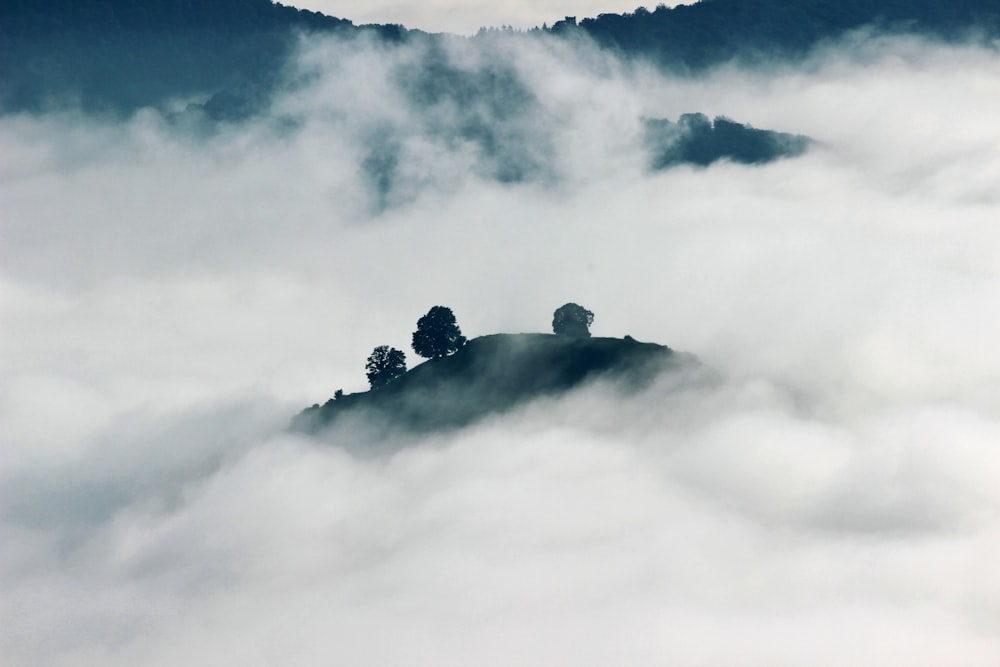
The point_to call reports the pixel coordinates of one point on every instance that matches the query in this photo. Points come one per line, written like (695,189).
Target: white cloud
(170,299)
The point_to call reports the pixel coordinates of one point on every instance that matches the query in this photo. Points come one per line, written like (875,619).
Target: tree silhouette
(385,365)
(572,320)
(437,334)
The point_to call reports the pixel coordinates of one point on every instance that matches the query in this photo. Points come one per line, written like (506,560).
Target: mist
(172,294)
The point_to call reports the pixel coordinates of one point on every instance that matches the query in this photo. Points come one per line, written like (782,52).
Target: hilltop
(698,35)
(493,374)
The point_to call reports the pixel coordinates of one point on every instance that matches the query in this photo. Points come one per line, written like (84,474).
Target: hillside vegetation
(493,374)
(698,35)
(121,55)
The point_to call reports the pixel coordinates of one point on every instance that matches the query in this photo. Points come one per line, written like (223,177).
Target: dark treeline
(694,139)
(120,55)
(694,36)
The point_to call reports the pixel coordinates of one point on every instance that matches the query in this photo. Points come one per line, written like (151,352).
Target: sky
(171,297)
(466,17)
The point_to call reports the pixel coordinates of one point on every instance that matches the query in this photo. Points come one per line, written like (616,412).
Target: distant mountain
(119,55)
(494,374)
(694,36)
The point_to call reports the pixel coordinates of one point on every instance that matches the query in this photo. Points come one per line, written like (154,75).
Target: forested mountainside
(121,55)
(698,35)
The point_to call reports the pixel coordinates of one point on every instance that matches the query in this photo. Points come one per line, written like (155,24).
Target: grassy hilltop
(493,374)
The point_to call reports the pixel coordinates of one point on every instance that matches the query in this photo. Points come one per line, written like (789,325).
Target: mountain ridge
(122,55)
(116,56)
(696,36)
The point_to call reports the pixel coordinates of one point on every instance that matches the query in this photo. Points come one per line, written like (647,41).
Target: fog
(466,17)
(173,294)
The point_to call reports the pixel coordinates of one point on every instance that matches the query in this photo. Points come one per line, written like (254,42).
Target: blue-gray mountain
(698,35)
(116,56)
(119,55)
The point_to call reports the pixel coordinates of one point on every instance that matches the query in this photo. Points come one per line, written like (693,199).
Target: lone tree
(437,334)
(572,320)
(384,365)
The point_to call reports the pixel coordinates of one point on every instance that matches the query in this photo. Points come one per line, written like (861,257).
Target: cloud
(171,297)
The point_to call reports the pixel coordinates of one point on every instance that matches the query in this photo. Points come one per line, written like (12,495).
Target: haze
(171,297)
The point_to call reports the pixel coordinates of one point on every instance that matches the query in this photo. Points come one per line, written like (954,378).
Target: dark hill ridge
(694,139)
(697,35)
(493,374)
(121,55)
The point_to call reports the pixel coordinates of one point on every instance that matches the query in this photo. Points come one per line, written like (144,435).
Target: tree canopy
(437,334)
(572,320)
(385,365)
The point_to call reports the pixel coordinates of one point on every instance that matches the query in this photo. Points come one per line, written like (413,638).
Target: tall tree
(384,365)
(572,320)
(437,334)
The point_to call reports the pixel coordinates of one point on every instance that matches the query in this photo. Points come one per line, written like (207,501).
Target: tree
(437,334)
(572,320)
(385,365)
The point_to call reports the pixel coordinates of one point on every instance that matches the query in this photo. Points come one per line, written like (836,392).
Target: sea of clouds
(172,295)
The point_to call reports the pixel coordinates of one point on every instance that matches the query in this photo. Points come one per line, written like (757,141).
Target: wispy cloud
(170,298)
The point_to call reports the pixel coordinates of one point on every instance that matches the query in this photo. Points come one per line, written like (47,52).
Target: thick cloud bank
(171,296)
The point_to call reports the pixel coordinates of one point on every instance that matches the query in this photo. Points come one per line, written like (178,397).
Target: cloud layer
(171,298)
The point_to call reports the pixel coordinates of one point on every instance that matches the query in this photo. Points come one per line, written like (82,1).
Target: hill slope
(496,373)
(120,55)
(698,35)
